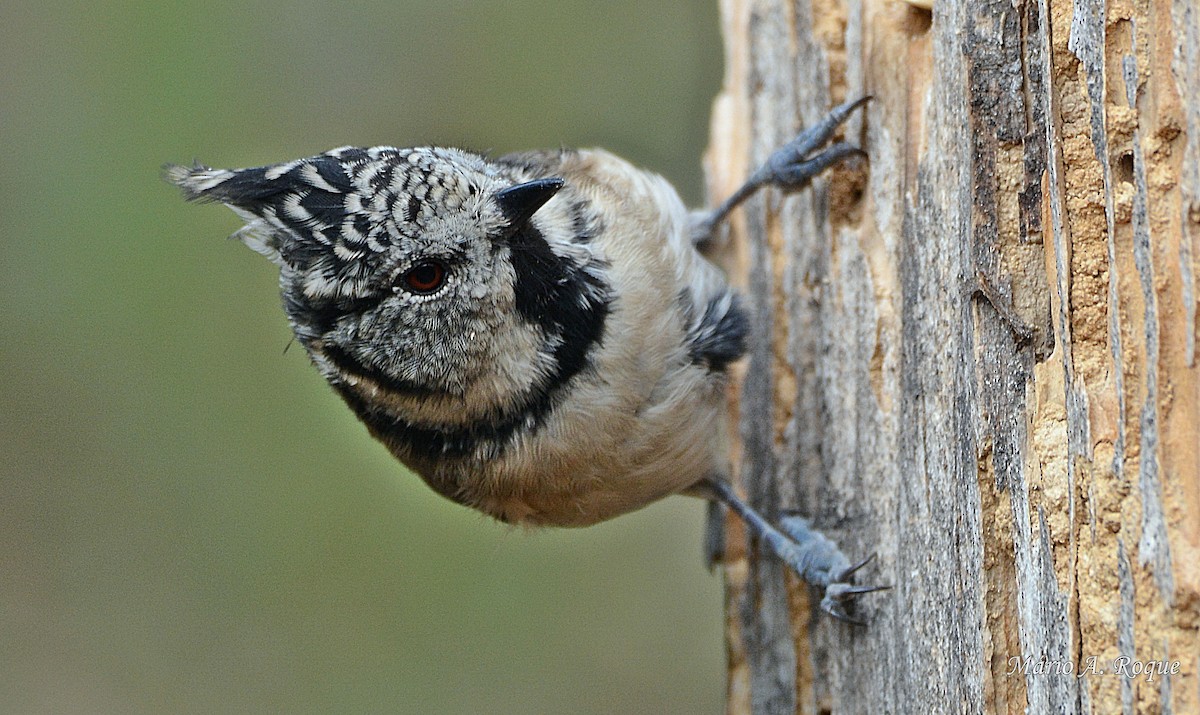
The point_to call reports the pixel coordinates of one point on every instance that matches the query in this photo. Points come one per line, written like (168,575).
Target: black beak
(523,200)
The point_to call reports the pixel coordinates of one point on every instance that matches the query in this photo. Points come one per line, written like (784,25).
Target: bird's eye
(424,278)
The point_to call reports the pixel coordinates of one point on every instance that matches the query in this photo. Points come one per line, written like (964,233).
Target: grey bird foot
(813,556)
(822,563)
(791,167)
(794,165)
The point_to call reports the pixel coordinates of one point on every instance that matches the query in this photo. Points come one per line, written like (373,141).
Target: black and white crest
(343,205)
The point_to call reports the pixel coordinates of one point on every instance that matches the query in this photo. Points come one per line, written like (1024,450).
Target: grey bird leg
(791,167)
(809,552)
(714,533)
(813,556)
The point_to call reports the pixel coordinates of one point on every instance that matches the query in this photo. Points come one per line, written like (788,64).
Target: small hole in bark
(917,19)
(1123,167)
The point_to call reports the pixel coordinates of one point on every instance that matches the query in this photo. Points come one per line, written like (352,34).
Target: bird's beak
(522,201)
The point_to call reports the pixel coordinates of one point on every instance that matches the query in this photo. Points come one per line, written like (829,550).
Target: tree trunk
(973,355)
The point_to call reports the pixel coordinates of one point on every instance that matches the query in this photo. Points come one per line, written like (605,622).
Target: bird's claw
(847,573)
(794,165)
(819,561)
(791,167)
(840,593)
(813,556)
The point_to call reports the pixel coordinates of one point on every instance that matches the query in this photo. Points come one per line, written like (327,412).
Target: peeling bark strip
(975,357)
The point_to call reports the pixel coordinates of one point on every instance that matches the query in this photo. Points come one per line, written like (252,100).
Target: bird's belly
(599,479)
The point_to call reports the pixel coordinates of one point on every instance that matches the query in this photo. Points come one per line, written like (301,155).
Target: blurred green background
(190,520)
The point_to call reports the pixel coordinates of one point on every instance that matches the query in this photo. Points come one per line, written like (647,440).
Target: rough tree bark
(975,356)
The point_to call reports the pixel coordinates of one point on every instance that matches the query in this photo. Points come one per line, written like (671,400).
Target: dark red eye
(425,277)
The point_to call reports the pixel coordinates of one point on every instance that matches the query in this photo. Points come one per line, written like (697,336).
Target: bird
(537,335)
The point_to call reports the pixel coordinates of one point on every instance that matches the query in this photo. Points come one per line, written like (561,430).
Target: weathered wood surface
(975,357)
